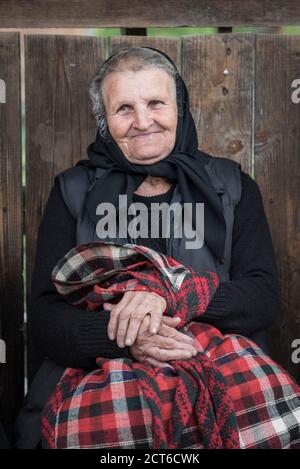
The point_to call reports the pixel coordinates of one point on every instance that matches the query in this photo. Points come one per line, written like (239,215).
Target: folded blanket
(230,395)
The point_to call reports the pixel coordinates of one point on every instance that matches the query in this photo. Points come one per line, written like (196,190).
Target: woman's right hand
(168,344)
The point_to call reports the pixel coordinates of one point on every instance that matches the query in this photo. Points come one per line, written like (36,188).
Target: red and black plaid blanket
(231,395)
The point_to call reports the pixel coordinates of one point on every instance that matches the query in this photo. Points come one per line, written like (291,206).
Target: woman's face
(141,113)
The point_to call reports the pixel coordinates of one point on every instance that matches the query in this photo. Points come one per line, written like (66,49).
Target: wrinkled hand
(127,315)
(168,344)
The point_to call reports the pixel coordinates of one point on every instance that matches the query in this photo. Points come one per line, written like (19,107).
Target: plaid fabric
(92,274)
(231,395)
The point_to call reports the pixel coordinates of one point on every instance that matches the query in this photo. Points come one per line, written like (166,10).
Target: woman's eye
(125,107)
(155,103)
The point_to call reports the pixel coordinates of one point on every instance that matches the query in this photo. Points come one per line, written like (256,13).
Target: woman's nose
(142,119)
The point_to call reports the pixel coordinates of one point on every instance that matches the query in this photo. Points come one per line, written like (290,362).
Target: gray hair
(133,59)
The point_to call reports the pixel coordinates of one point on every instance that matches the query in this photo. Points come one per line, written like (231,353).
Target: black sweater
(72,337)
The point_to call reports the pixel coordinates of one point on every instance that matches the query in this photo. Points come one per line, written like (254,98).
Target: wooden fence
(141,13)
(240,89)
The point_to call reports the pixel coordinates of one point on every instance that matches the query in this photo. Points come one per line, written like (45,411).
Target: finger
(133,329)
(170,332)
(129,319)
(155,363)
(123,324)
(125,300)
(171,321)
(168,355)
(145,323)
(115,311)
(167,341)
(136,318)
(171,344)
(113,324)
(155,320)
(182,338)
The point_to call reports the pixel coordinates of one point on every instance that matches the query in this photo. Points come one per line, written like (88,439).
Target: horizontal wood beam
(142,14)
(134,31)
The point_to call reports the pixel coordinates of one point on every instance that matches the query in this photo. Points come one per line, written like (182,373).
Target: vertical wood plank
(219,73)
(171,46)
(277,169)
(59,123)
(11,289)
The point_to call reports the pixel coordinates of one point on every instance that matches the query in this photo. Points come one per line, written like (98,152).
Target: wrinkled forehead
(147,82)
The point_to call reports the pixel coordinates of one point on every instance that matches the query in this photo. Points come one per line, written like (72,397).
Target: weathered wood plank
(142,13)
(11,288)
(219,73)
(171,46)
(134,31)
(277,169)
(59,121)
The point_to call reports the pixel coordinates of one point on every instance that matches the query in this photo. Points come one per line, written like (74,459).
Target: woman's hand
(168,344)
(127,315)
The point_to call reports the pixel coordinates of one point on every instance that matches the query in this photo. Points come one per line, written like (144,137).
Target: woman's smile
(141,112)
(145,135)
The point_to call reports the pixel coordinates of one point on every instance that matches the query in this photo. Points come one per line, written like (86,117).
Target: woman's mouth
(144,135)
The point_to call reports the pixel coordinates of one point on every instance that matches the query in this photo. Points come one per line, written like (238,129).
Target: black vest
(225,176)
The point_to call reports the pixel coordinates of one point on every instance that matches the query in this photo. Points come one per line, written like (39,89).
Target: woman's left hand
(127,315)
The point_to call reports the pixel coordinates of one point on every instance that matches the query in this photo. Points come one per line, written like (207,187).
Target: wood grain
(171,46)
(141,13)
(277,170)
(11,288)
(59,122)
(219,73)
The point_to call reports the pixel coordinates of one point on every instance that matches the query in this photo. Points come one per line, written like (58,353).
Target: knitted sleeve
(62,332)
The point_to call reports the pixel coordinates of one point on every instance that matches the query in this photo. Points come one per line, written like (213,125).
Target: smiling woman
(141,113)
(148,314)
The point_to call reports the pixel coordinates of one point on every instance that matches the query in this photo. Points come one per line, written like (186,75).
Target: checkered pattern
(91,274)
(230,395)
(266,399)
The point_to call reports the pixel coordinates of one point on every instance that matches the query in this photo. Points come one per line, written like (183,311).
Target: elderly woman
(146,150)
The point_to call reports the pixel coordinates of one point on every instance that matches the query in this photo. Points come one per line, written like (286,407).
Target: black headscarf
(185,164)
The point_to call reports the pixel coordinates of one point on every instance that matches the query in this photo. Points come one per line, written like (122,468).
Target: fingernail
(195,352)
(154,331)
(188,355)
(128,342)
(111,336)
